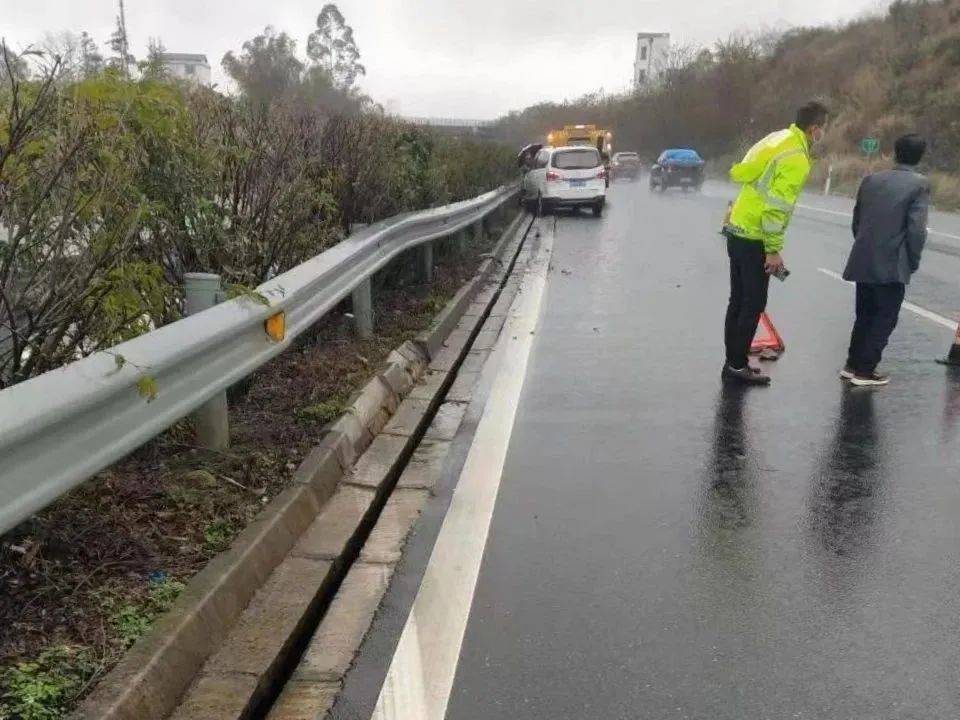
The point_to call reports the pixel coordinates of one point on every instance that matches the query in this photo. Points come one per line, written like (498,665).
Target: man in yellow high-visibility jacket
(772,176)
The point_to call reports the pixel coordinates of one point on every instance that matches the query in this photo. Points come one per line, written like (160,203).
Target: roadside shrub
(112,189)
(45,688)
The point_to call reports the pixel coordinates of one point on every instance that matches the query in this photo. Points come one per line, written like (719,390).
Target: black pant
(878,307)
(748,297)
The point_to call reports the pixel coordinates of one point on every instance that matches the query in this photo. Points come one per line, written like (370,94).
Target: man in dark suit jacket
(890,227)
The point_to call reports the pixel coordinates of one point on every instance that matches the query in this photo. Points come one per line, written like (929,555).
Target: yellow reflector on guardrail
(276,327)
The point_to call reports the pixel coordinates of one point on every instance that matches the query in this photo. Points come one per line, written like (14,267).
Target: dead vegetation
(81,581)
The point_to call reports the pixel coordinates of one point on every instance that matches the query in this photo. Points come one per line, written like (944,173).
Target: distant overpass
(453,125)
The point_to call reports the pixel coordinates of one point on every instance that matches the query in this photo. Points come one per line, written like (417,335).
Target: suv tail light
(602,174)
(553,176)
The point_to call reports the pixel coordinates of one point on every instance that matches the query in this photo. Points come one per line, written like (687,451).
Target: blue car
(678,167)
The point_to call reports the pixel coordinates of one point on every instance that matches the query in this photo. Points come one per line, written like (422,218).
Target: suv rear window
(576,159)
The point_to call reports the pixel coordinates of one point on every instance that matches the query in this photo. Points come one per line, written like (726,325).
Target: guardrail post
(363,308)
(463,242)
(478,231)
(487,224)
(202,291)
(425,263)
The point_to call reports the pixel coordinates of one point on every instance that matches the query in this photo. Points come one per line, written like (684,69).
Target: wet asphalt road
(666,548)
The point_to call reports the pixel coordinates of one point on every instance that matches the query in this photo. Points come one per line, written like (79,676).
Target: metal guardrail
(59,429)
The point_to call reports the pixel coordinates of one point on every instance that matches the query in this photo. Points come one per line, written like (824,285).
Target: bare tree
(332,47)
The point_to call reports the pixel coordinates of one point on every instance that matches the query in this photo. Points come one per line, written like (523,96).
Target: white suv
(566,177)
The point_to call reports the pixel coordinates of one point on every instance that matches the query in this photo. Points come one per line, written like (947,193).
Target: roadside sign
(869,145)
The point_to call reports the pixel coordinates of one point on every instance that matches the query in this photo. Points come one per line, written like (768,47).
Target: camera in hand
(781,273)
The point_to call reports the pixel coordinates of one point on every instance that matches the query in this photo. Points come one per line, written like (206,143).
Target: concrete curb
(432,339)
(155,673)
(406,483)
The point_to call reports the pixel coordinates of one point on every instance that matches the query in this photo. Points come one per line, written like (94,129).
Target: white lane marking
(921,311)
(422,671)
(849,216)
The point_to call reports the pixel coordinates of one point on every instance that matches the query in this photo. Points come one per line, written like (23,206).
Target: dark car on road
(625,165)
(679,167)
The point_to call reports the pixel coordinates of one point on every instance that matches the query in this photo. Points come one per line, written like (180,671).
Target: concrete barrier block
(351,427)
(494,323)
(430,385)
(475,309)
(337,640)
(447,359)
(304,701)
(485,340)
(218,696)
(462,388)
(446,422)
(321,470)
(409,417)
(474,361)
(425,468)
(329,535)
(413,354)
(398,377)
(257,643)
(341,445)
(385,544)
(371,400)
(381,460)
(432,339)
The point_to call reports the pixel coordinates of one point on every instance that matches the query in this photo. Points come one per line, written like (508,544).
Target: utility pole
(124,42)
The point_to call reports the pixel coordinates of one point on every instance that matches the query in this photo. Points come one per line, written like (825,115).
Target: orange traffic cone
(767,343)
(953,357)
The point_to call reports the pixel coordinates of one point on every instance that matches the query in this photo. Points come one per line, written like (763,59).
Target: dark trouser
(878,307)
(748,297)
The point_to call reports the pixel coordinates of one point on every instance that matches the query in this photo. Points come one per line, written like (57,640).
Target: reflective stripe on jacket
(772,174)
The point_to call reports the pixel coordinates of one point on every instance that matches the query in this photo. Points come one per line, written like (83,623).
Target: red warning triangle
(767,337)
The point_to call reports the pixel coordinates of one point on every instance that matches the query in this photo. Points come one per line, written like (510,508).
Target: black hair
(813,113)
(909,149)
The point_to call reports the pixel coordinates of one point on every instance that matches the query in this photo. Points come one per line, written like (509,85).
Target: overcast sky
(448,58)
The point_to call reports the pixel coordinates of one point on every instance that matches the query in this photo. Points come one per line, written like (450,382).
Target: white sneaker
(847,374)
(871,380)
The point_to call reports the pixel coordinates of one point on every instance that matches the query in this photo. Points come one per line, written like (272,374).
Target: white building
(187,66)
(653,50)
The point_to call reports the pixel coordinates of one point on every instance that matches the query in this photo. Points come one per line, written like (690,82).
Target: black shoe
(746,375)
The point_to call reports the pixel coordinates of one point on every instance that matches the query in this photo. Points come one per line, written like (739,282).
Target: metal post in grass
(202,291)
(460,242)
(425,263)
(488,223)
(478,232)
(362,298)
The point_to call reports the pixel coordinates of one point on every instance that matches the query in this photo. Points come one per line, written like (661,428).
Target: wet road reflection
(846,487)
(951,405)
(730,555)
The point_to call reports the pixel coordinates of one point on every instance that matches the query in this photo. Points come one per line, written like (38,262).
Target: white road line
(921,311)
(849,216)
(422,671)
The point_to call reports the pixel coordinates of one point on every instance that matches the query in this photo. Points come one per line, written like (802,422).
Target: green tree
(91,60)
(267,68)
(332,47)
(120,44)
(154,66)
